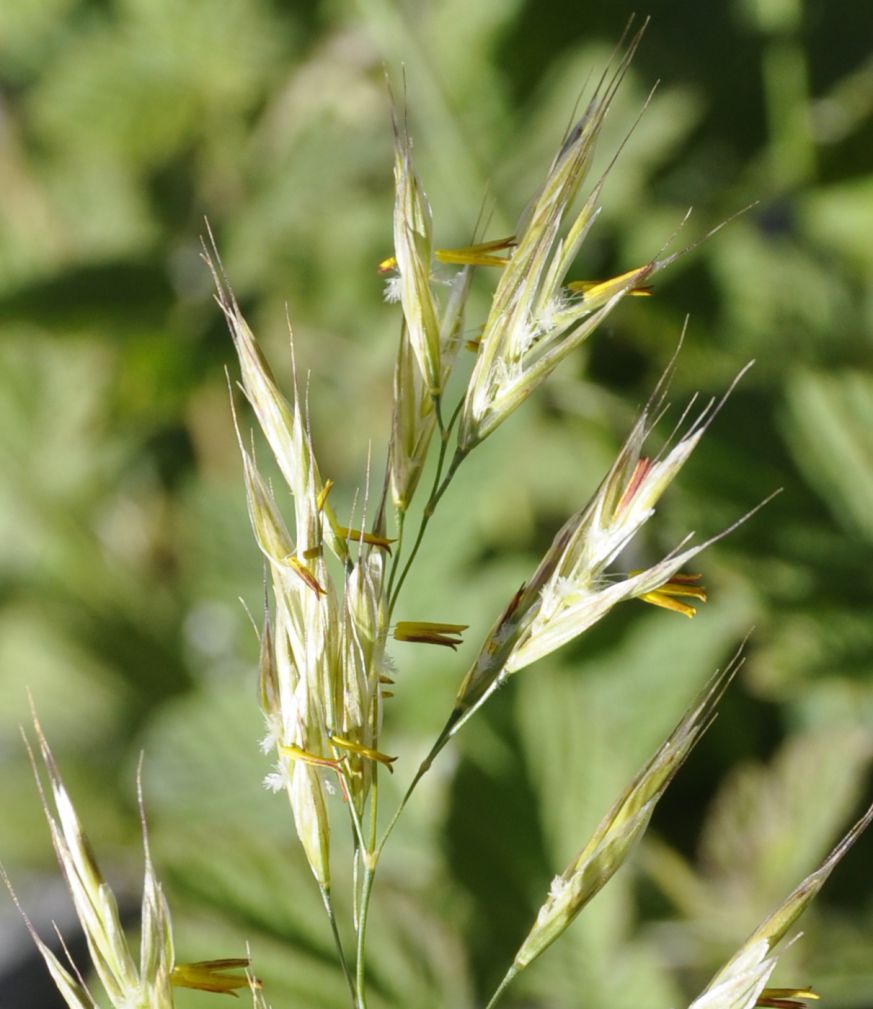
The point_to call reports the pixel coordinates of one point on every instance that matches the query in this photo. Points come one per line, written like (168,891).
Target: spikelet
(412,426)
(619,831)
(534,322)
(414,415)
(127,985)
(413,256)
(283,423)
(571,590)
(300,675)
(362,652)
(740,984)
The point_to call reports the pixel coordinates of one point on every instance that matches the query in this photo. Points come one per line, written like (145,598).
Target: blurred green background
(124,541)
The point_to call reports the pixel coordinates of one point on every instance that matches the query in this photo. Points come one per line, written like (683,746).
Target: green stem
(374,809)
(393,822)
(357,827)
(369,862)
(356,887)
(501,988)
(331,917)
(367,859)
(438,491)
(369,856)
(457,719)
(395,563)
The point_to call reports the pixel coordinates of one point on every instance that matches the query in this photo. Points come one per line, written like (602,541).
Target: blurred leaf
(841,217)
(154,76)
(588,727)
(93,297)
(830,428)
(769,825)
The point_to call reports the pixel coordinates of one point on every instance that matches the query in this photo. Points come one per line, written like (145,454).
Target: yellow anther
(426,632)
(481,254)
(357,535)
(785,998)
(585,287)
(208,975)
(603,290)
(298,753)
(322,495)
(303,572)
(679,585)
(363,751)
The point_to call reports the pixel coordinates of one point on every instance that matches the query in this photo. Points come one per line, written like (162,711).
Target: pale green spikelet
(534,322)
(94,901)
(412,426)
(283,423)
(623,826)
(740,984)
(362,652)
(127,986)
(415,413)
(413,254)
(296,691)
(571,589)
